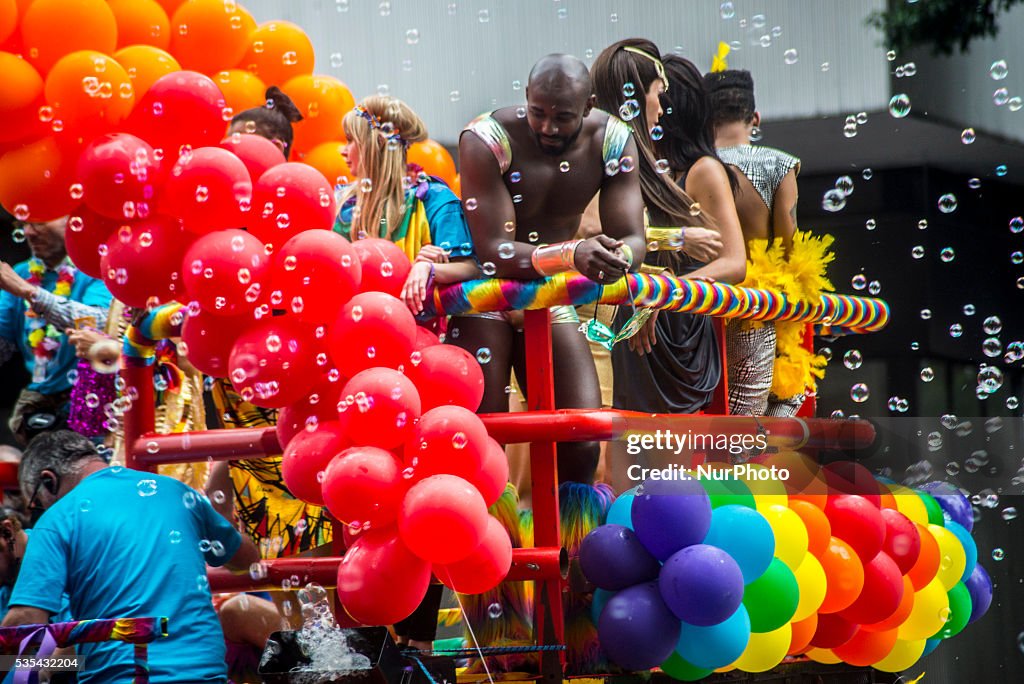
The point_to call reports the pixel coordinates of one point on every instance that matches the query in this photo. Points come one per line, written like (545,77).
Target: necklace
(44,338)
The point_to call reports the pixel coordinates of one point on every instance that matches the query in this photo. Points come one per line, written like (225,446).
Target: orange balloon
(927,564)
(8,18)
(803,632)
(209,36)
(35,181)
(54,28)
(844,574)
(278,52)
(88,88)
(22,83)
(145,65)
(141,22)
(888,500)
(326,158)
(457,185)
(819,529)
(322,101)
(866,648)
(434,159)
(242,90)
(901,614)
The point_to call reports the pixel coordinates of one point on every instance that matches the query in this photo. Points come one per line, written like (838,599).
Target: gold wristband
(627,254)
(557,258)
(665,239)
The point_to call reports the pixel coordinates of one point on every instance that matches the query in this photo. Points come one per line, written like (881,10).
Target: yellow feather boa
(802,277)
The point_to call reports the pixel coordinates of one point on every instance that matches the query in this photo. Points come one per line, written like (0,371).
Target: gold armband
(665,239)
(557,258)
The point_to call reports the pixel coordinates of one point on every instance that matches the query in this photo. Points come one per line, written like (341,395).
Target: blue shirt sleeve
(9,312)
(216,528)
(42,579)
(96,294)
(448,228)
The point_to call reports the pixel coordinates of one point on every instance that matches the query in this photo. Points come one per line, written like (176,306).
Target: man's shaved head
(562,72)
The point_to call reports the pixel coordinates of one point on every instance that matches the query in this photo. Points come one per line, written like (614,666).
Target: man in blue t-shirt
(124,543)
(39,300)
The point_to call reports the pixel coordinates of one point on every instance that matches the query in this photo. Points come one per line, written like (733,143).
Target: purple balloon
(979,586)
(636,629)
(613,558)
(702,585)
(952,502)
(669,515)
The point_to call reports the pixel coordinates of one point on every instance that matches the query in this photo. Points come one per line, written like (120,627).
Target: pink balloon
(448,440)
(85,239)
(319,406)
(425,338)
(224,271)
(493,474)
(316,273)
(207,339)
(181,108)
(485,567)
(142,265)
(119,174)
(380,581)
(443,519)
(372,329)
(308,455)
(365,485)
(385,265)
(257,153)
(271,364)
(384,408)
(288,199)
(209,189)
(446,374)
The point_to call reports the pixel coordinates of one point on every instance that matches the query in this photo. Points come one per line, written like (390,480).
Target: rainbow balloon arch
(541,425)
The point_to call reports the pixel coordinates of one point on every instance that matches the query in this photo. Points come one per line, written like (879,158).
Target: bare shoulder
(707,172)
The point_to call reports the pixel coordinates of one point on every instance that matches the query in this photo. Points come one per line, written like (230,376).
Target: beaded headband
(387,129)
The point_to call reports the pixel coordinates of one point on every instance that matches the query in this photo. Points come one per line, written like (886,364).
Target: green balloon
(933,508)
(772,598)
(959,612)
(679,669)
(728,492)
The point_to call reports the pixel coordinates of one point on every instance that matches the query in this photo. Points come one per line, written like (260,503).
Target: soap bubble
(899,105)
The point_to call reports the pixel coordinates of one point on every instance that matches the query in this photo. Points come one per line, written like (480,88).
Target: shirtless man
(527,177)
(766,204)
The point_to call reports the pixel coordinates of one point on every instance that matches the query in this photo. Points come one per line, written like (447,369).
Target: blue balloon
(620,512)
(745,535)
(930,645)
(979,586)
(601,597)
(718,645)
(970,547)
(702,585)
(954,505)
(613,558)
(669,515)
(636,629)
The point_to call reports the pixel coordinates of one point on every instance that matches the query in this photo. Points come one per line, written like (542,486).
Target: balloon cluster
(167,76)
(703,575)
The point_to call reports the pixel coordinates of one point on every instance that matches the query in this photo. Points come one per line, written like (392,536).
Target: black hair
(688,131)
(732,96)
(61,451)
(274,119)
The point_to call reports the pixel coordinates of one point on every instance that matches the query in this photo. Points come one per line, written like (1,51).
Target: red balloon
(372,329)
(832,631)
(882,592)
(256,152)
(384,408)
(424,339)
(856,521)
(224,272)
(443,519)
(901,614)
(485,567)
(446,374)
(288,199)
(308,455)
(209,189)
(385,265)
(320,406)
(207,339)
(86,237)
(902,540)
(181,108)
(848,477)
(380,581)
(143,262)
(364,484)
(448,439)
(493,474)
(866,648)
(316,272)
(119,174)
(271,364)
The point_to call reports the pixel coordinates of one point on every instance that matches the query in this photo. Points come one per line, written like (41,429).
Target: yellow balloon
(909,504)
(790,535)
(825,656)
(765,650)
(768,492)
(929,614)
(952,558)
(903,655)
(811,581)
